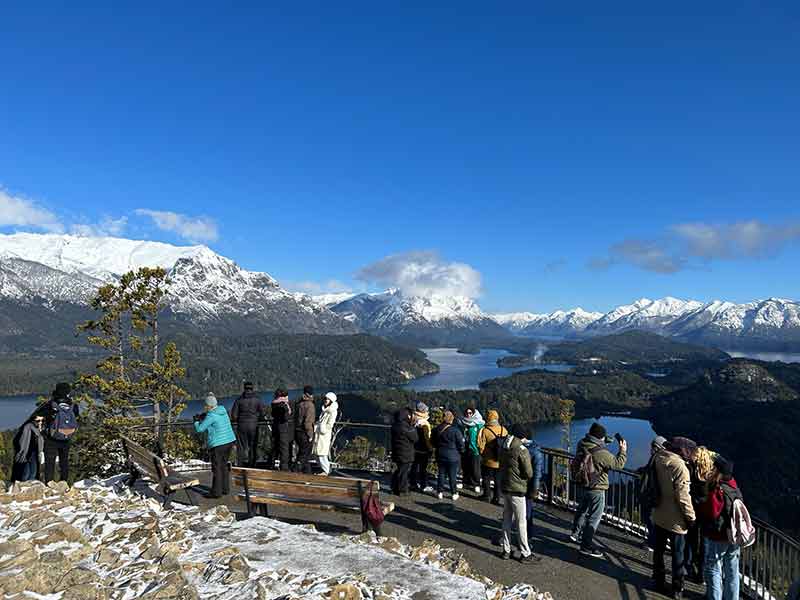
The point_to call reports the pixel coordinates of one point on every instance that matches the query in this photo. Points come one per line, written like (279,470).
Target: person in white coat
(323,432)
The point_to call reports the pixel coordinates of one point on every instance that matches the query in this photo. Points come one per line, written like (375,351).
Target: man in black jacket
(282,429)
(246,412)
(56,438)
(304,429)
(404,436)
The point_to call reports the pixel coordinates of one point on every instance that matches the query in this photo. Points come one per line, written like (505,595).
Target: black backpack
(649,490)
(582,469)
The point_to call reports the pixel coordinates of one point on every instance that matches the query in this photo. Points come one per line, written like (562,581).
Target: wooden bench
(280,488)
(143,464)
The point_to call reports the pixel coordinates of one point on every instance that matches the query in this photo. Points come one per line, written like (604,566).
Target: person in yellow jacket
(489,445)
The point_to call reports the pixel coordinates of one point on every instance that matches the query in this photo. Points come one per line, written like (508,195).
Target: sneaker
(428,489)
(459,486)
(594,552)
(455,496)
(477,489)
(575,538)
(531,558)
(506,556)
(440,496)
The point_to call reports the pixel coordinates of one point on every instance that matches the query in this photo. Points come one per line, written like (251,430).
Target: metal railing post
(551,477)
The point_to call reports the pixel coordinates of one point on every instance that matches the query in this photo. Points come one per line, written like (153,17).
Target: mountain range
(773,323)
(47,279)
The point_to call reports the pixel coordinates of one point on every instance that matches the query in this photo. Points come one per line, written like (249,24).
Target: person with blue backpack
(60,424)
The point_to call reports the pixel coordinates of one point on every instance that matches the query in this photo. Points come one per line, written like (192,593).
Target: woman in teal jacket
(216,423)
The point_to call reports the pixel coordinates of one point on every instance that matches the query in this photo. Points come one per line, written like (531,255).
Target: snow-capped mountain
(764,324)
(208,292)
(518,321)
(646,314)
(435,320)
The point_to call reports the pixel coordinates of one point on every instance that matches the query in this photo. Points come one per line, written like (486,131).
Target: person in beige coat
(323,432)
(674,513)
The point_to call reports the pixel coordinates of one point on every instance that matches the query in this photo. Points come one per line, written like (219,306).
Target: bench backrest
(144,460)
(306,488)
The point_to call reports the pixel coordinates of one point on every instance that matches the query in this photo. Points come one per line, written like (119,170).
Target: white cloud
(21,212)
(107,227)
(690,245)
(194,229)
(423,273)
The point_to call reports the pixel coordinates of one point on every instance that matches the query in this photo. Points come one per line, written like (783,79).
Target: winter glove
(19,457)
(41,458)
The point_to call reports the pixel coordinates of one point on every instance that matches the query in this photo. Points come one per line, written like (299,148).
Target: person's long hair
(704,464)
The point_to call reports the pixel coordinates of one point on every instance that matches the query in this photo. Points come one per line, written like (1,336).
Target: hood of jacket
(493,417)
(590,442)
(475,419)
(218,410)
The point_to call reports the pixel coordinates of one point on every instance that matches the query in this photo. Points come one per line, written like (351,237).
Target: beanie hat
(659,442)
(422,407)
(448,417)
(724,466)
(492,415)
(248,386)
(683,447)
(308,390)
(597,431)
(519,431)
(62,390)
(211,400)
(280,393)
(331,396)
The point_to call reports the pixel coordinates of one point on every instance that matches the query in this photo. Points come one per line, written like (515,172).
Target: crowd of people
(690,501)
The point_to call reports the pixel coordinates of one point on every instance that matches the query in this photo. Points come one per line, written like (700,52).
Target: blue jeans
(721,570)
(590,513)
(678,543)
(450,469)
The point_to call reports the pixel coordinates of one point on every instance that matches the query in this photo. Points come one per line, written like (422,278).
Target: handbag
(372,509)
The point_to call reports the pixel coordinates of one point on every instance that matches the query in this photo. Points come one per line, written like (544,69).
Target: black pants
(678,544)
(471,469)
(447,469)
(489,476)
(282,446)
(53,448)
(220,477)
(419,471)
(400,478)
(247,445)
(304,445)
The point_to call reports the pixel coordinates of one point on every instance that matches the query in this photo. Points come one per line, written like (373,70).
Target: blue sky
(585,157)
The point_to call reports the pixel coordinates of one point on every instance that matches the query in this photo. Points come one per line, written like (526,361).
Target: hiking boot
(506,556)
(593,552)
(530,559)
(456,496)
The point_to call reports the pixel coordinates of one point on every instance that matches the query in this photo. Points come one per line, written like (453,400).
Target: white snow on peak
(328,300)
(516,321)
(99,257)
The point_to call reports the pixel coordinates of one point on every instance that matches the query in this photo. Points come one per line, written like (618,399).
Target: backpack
(649,490)
(741,532)
(491,450)
(582,469)
(64,422)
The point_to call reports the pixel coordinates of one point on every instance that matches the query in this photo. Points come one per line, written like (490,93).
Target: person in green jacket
(216,424)
(471,424)
(515,472)
(593,503)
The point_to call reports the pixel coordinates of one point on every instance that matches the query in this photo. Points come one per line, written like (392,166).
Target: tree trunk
(156,403)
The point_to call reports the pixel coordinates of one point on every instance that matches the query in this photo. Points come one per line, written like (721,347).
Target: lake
(465,371)
(766,356)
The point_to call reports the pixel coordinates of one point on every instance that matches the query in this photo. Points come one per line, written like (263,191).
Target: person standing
(304,430)
(404,437)
(216,424)
(647,475)
(28,449)
(471,425)
(674,514)
(593,502)
(489,445)
(60,424)
(323,431)
(422,449)
(246,412)
(282,429)
(515,473)
(721,557)
(535,482)
(449,444)
(701,470)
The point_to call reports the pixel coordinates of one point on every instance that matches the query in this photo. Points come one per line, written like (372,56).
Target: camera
(619,438)
(198,418)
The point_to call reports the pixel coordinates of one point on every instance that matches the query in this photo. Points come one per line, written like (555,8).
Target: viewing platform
(469,526)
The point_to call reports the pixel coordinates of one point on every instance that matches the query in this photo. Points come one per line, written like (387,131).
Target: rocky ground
(101,541)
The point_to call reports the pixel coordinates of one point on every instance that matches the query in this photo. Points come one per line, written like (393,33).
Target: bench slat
(300,503)
(254,475)
(293,489)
